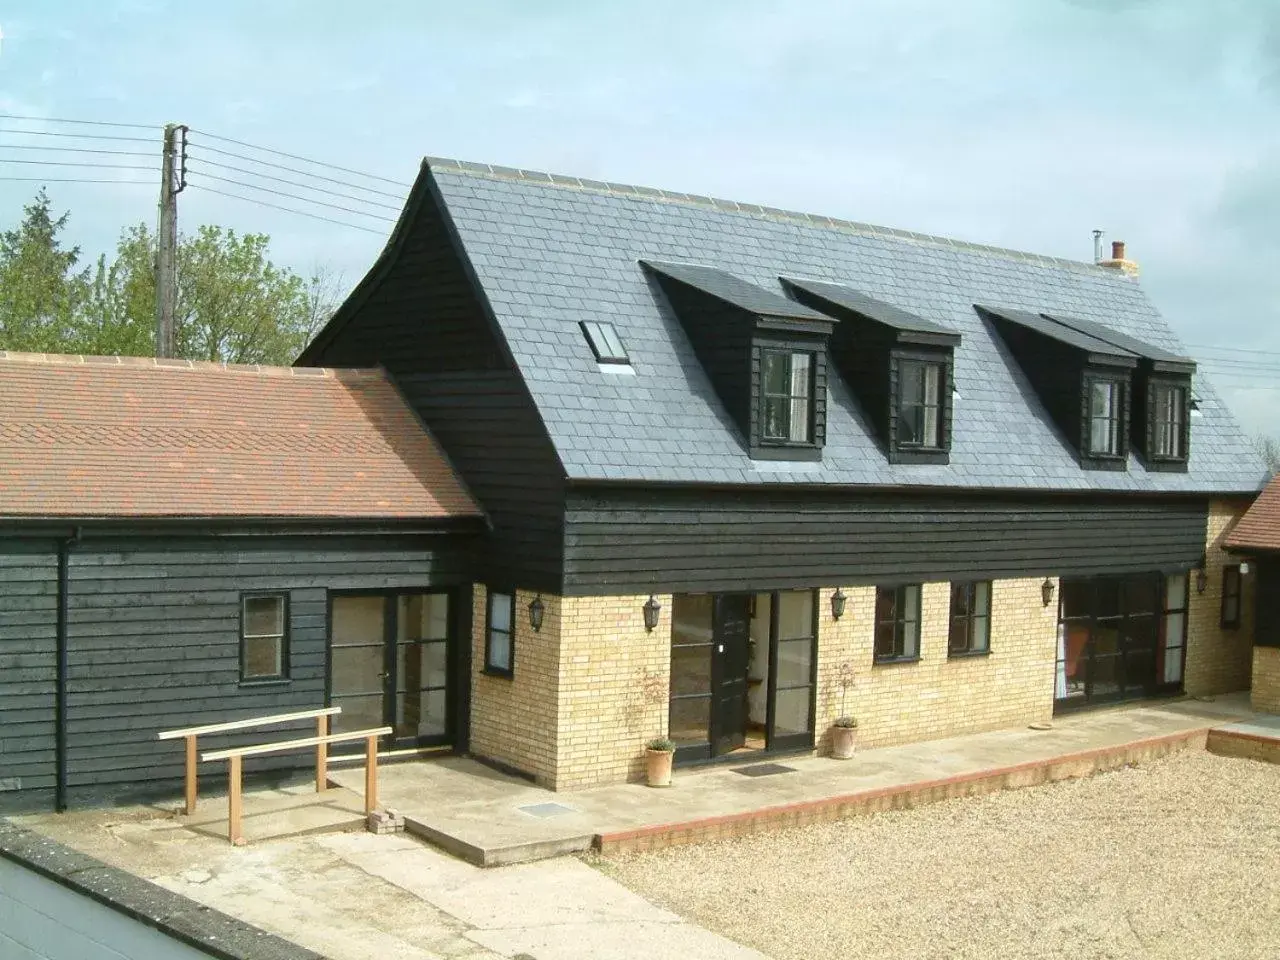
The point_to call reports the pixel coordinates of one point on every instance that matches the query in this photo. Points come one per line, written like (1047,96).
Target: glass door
(358,661)
(792,678)
(421,668)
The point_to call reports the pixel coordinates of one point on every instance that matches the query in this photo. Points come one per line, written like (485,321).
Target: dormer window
(1170,405)
(787,395)
(919,404)
(1106,399)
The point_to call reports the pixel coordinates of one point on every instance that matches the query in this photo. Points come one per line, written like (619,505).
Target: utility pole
(173,178)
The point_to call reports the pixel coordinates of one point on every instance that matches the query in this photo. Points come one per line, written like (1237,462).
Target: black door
(730,653)
(1108,639)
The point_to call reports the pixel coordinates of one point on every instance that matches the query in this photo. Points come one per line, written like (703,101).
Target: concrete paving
(490,819)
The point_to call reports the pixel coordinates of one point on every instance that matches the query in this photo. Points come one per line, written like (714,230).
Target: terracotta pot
(658,767)
(842,742)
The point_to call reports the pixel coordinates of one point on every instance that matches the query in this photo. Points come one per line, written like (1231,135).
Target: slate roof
(884,313)
(551,251)
(99,437)
(1259,528)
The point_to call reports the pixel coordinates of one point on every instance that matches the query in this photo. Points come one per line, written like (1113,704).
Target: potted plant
(842,731)
(657,755)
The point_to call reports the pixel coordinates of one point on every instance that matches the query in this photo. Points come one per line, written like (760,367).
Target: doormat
(763,770)
(544,810)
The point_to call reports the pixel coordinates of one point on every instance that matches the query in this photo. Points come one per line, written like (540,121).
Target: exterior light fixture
(1046,591)
(536,610)
(838,600)
(1202,580)
(651,610)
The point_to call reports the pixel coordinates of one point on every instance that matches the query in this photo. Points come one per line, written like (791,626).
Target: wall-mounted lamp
(536,609)
(838,600)
(651,610)
(1046,591)
(1202,580)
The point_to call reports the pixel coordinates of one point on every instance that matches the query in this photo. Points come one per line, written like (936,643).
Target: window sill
(967,654)
(267,682)
(499,673)
(890,661)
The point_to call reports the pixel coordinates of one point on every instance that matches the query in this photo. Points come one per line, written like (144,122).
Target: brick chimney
(1118,260)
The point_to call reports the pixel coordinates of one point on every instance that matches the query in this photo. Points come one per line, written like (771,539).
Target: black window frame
(900,401)
(790,352)
(1160,390)
(599,344)
(898,624)
(1232,590)
(492,669)
(1120,404)
(969,620)
(285,674)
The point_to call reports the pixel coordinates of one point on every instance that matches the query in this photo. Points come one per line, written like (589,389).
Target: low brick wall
(1247,746)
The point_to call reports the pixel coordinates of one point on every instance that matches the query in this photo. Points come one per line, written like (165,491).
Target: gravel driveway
(1176,858)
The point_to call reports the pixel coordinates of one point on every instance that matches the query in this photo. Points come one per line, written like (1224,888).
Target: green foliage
(233,303)
(661,744)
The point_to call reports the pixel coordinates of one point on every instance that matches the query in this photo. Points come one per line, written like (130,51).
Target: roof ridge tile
(346,374)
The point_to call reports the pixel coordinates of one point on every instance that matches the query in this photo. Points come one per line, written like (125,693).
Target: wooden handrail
(260,748)
(190,779)
(235,769)
(248,723)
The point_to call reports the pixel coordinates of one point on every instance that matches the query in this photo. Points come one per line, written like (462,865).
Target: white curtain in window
(1175,626)
(932,379)
(800,376)
(1060,684)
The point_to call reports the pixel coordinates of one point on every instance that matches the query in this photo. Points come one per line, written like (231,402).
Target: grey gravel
(1176,858)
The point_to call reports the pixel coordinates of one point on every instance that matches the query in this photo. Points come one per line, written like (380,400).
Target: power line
(294,183)
(294,156)
(73,163)
(137,183)
(274,206)
(294,196)
(36,146)
(87,123)
(1235,350)
(80,136)
(302,173)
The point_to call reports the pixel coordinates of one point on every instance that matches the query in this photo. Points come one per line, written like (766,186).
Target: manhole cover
(764,770)
(545,810)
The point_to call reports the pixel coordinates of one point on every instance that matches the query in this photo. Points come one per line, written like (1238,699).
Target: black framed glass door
(730,653)
(390,664)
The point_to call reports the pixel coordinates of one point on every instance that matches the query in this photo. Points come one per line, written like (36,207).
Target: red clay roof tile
(137,437)
(1259,528)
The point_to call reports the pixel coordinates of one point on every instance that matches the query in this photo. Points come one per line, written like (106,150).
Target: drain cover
(764,770)
(546,810)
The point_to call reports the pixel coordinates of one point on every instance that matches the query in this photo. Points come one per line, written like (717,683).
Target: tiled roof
(551,251)
(89,437)
(1259,528)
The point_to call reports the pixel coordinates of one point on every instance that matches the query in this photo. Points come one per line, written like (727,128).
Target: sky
(1020,123)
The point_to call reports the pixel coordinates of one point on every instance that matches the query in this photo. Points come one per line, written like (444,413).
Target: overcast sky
(1023,123)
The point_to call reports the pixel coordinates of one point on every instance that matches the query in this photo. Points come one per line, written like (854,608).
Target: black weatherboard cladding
(620,540)
(154,630)
(418,315)
(1267,597)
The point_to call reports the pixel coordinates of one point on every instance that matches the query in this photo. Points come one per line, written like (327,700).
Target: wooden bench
(235,769)
(321,716)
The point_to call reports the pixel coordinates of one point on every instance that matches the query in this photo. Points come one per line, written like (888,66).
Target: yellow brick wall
(1266,679)
(936,696)
(1218,660)
(515,720)
(614,685)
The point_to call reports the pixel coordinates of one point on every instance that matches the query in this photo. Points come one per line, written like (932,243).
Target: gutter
(63,659)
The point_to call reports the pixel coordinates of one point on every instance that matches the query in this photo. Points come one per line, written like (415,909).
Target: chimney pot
(1117,249)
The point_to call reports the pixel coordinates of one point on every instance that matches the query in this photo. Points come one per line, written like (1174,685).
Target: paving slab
(487,817)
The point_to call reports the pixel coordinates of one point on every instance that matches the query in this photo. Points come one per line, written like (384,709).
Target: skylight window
(604,342)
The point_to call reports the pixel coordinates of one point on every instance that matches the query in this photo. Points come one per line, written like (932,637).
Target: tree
(1269,450)
(41,292)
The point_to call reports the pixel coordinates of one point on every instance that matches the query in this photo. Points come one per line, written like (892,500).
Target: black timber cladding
(154,637)
(622,540)
(419,315)
(1266,593)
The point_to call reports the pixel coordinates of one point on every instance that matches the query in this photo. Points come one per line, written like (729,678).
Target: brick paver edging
(1244,745)
(208,930)
(899,797)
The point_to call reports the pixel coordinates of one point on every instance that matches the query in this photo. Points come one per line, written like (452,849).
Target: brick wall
(1218,660)
(515,720)
(937,696)
(1266,679)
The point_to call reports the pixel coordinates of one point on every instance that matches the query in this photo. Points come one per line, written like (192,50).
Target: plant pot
(658,767)
(842,742)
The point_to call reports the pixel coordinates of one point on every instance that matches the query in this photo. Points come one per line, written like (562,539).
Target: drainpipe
(60,689)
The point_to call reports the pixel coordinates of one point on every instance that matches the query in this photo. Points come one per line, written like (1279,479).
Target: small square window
(499,648)
(1169,421)
(1105,402)
(897,623)
(264,637)
(1231,596)
(970,618)
(604,342)
(920,404)
(787,396)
